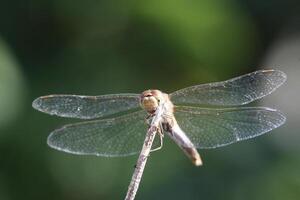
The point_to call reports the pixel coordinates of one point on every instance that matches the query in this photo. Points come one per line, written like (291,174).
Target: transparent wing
(211,128)
(121,136)
(236,91)
(86,107)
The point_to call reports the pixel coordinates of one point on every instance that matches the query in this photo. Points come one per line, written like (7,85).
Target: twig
(140,165)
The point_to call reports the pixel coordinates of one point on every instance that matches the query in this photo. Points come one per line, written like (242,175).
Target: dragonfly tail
(193,154)
(181,139)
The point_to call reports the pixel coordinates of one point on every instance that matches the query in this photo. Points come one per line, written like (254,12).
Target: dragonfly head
(151,99)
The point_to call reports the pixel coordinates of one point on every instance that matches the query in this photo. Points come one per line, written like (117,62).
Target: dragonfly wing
(237,91)
(211,128)
(120,136)
(86,107)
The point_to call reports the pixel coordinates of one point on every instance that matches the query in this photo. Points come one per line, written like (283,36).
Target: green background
(103,47)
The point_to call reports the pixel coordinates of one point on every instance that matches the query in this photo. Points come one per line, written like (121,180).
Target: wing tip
(54,143)
(277,73)
(282,118)
(37,103)
(50,137)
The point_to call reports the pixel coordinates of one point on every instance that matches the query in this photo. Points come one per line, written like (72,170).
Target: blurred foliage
(203,32)
(100,47)
(11,86)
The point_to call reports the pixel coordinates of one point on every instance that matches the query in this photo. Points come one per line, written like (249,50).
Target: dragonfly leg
(148,120)
(161,136)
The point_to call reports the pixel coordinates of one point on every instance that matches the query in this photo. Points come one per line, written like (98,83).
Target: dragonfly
(198,117)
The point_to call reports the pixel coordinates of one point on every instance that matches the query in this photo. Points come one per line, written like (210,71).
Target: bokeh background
(98,47)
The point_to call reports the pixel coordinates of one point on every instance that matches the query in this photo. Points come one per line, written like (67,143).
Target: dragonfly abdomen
(180,138)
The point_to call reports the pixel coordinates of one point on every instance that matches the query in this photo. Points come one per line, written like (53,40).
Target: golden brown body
(151,100)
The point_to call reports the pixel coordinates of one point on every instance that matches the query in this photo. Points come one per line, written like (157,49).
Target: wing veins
(226,129)
(104,139)
(251,87)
